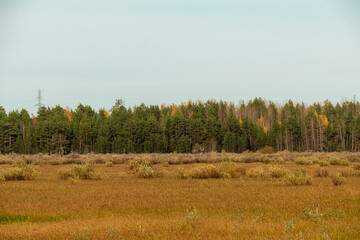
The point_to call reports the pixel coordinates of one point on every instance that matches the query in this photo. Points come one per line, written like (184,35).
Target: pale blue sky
(156,51)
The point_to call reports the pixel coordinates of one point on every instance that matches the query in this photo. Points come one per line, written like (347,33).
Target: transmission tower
(39,104)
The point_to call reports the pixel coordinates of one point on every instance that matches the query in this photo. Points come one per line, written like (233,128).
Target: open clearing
(123,206)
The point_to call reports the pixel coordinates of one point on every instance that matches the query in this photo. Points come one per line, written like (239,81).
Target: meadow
(181,196)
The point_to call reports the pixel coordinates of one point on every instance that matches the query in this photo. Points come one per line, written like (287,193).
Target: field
(237,196)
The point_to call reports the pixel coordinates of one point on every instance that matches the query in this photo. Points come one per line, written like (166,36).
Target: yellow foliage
(67,114)
(324,121)
(173,109)
(317,116)
(240,121)
(266,129)
(106,114)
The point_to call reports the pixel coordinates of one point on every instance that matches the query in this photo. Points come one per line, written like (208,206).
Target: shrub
(54,162)
(346,172)
(84,172)
(134,165)
(257,172)
(321,172)
(206,171)
(267,160)
(241,170)
(323,163)
(356,173)
(357,166)
(227,168)
(2,176)
(303,161)
(338,161)
(20,171)
(192,217)
(337,179)
(181,173)
(65,173)
(165,164)
(277,172)
(109,164)
(298,177)
(280,160)
(148,172)
(266,150)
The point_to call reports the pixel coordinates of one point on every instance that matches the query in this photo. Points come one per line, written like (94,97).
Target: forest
(211,126)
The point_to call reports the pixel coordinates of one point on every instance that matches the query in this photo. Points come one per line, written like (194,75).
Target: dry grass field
(257,198)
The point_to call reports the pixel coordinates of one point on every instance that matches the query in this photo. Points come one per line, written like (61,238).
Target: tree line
(188,127)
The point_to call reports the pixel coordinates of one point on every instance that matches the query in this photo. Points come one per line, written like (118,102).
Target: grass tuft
(337,179)
(83,172)
(298,177)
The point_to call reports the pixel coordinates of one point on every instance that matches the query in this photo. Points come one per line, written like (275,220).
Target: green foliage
(266,150)
(190,127)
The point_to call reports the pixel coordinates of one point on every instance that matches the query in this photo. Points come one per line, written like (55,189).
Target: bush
(241,170)
(338,161)
(148,172)
(84,172)
(321,172)
(323,163)
(134,165)
(224,170)
(257,172)
(337,179)
(109,164)
(266,150)
(357,166)
(20,171)
(54,162)
(165,164)
(65,173)
(206,171)
(347,172)
(356,173)
(298,177)
(2,176)
(280,160)
(227,168)
(303,161)
(181,173)
(277,172)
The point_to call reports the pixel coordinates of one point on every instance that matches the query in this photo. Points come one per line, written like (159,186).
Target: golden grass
(123,206)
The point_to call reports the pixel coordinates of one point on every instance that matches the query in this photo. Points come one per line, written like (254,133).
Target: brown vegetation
(234,199)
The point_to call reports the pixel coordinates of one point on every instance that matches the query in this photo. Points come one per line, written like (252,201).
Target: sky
(159,51)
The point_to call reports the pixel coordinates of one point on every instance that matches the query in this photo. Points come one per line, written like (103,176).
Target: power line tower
(39,104)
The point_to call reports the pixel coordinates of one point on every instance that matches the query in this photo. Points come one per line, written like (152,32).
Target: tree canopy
(184,128)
